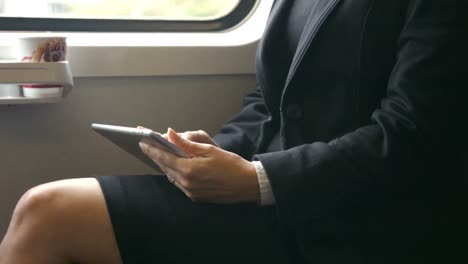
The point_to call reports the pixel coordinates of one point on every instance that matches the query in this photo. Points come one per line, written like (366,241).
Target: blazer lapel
(322,11)
(266,63)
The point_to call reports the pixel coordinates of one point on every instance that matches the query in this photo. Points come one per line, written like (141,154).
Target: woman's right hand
(198,136)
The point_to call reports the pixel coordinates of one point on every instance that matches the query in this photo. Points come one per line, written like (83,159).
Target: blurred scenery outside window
(119,9)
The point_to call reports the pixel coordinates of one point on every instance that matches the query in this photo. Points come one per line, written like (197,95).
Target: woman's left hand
(212,174)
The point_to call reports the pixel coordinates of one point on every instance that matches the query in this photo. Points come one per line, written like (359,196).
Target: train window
(123,15)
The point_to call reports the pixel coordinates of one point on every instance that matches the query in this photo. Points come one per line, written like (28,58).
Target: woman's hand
(199,136)
(211,175)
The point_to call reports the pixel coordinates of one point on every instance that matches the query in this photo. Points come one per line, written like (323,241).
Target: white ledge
(58,73)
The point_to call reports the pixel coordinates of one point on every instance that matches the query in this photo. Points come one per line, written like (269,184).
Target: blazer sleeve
(415,125)
(240,133)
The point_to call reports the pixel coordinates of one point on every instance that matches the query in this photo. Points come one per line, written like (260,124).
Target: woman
(334,158)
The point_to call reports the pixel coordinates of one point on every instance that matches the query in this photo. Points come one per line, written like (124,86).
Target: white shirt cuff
(266,193)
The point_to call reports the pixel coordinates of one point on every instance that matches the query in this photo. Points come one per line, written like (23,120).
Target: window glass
(119,9)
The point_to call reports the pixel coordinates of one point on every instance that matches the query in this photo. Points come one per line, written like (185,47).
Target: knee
(37,206)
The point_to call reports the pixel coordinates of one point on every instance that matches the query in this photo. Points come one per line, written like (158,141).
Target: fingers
(171,177)
(178,181)
(189,135)
(186,135)
(141,127)
(192,135)
(162,157)
(174,177)
(178,169)
(198,136)
(193,148)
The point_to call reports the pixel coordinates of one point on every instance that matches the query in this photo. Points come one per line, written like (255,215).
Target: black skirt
(154,222)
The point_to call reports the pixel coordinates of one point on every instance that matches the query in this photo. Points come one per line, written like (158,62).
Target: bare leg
(61,222)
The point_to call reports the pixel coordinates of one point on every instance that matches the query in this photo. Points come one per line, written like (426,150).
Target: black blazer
(371,115)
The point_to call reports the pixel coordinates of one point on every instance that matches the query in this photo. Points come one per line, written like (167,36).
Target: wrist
(266,196)
(253,194)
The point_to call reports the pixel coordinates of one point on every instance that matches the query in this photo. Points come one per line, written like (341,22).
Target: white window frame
(221,23)
(230,52)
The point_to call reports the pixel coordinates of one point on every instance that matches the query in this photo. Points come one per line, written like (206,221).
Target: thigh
(77,220)
(154,222)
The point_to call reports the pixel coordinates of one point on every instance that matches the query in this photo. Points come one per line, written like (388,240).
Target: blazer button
(294,112)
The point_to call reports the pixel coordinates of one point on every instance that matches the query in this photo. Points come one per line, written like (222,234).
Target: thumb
(191,147)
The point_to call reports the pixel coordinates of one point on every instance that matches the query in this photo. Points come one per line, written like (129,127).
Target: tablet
(127,138)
